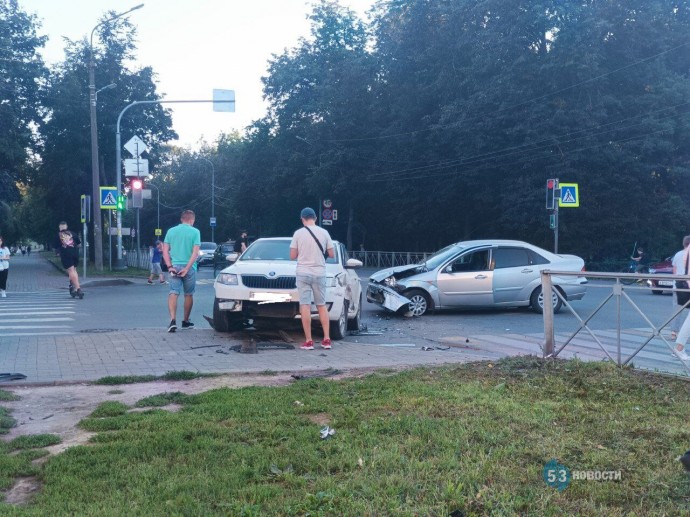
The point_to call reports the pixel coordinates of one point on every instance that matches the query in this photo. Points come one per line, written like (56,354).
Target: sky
(194,46)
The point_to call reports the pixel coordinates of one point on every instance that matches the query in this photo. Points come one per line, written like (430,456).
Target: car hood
(264,267)
(398,272)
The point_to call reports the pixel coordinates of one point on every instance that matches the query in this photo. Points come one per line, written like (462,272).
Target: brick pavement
(30,273)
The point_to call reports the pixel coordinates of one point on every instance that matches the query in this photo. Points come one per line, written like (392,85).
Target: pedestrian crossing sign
(570,197)
(108,198)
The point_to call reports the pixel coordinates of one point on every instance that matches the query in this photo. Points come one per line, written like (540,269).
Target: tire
(339,326)
(224,321)
(420,302)
(537,301)
(627,281)
(356,322)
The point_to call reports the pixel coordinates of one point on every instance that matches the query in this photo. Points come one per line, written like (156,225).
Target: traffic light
(137,185)
(551,186)
(121,203)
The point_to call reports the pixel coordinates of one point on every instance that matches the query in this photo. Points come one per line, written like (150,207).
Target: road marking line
(37,313)
(37,320)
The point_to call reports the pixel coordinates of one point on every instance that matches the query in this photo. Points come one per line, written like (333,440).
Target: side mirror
(232,257)
(353,263)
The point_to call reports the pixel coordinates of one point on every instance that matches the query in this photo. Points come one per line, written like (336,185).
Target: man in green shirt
(180,250)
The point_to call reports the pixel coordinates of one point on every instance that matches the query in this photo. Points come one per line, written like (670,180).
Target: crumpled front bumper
(385,297)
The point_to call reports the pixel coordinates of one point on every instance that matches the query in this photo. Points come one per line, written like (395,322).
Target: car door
(513,271)
(466,280)
(352,278)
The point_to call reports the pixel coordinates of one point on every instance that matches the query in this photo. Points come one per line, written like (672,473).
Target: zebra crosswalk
(45,313)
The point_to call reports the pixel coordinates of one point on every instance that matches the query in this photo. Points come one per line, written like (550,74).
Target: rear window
(208,246)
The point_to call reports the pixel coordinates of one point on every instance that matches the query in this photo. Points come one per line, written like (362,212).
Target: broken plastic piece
(327,432)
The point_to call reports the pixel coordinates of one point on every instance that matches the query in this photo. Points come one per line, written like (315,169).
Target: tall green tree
(22,73)
(65,170)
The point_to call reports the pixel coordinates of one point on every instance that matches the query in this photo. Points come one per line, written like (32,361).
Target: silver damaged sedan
(475,274)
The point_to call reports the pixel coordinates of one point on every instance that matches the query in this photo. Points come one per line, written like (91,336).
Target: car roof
(501,242)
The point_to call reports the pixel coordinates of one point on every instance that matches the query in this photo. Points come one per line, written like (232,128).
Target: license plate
(270,297)
(665,283)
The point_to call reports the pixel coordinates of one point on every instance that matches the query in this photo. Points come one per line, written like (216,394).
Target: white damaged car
(260,285)
(477,274)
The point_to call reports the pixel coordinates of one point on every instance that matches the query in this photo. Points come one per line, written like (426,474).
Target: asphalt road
(144,306)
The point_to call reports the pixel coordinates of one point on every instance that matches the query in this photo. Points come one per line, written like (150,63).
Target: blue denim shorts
(186,284)
(308,286)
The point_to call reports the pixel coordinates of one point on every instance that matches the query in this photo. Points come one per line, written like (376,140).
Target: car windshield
(441,256)
(271,250)
(208,246)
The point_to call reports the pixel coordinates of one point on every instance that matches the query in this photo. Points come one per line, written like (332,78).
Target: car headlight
(228,279)
(390,281)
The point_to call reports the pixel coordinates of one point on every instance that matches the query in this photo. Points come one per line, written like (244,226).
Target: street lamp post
(213,197)
(118,157)
(95,176)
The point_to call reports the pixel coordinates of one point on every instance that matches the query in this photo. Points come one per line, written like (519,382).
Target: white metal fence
(649,345)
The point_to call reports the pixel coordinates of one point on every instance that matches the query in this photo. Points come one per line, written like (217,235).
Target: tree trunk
(350,223)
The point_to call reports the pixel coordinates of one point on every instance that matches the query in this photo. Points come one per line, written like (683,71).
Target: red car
(663,267)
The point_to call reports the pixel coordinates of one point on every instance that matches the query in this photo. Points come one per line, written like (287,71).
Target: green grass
(181,375)
(34,441)
(7,396)
(109,408)
(6,421)
(429,441)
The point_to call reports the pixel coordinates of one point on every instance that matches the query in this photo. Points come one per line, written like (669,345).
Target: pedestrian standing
(5,256)
(67,245)
(241,243)
(678,268)
(28,250)
(180,250)
(684,333)
(311,245)
(156,256)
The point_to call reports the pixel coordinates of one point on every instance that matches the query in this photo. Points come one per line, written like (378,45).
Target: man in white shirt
(310,245)
(678,264)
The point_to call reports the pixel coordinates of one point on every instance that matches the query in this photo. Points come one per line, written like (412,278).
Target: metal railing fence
(385,259)
(617,295)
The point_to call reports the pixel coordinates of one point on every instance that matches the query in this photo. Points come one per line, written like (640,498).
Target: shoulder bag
(325,253)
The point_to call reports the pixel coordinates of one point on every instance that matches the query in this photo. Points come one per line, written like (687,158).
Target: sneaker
(187,325)
(680,354)
(173,326)
(326,343)
(308,345)
(3,294)
(149,281)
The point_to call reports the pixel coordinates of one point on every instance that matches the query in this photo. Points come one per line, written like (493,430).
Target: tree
(21,74)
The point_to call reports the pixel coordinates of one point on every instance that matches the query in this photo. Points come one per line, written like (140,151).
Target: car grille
(262,282)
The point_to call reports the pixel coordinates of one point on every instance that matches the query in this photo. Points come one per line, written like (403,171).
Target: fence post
(546,289)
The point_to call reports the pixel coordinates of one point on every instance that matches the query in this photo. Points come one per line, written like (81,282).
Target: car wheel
(339,326)
(356,322)
(420,303)
(224,321)
(537,301)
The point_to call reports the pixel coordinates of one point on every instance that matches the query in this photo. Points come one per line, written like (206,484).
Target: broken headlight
(390,281)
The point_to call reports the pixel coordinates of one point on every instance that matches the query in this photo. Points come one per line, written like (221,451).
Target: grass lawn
(470,440)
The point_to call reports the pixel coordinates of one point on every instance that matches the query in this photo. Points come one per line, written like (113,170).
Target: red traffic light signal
(137,184)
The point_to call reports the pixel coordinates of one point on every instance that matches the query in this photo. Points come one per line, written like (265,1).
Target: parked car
(221,254)
(663,267)
(260,285)
(473,274)
(206,251)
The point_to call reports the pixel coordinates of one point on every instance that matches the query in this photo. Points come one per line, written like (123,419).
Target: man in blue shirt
(180,250)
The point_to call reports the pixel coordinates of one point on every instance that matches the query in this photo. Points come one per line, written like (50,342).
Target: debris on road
(327,432)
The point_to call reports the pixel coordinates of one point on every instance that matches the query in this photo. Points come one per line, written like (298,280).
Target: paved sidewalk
(33,273)
(91,355)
